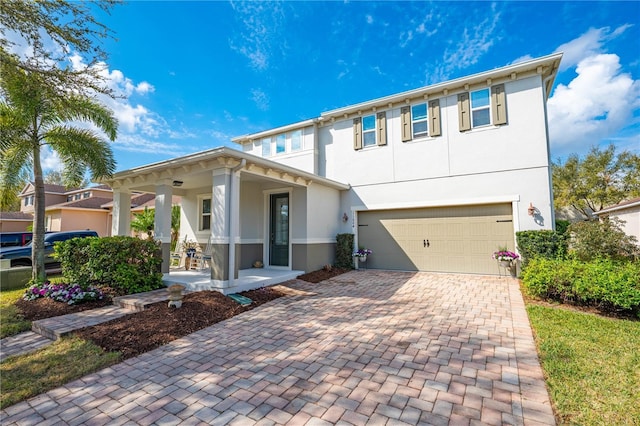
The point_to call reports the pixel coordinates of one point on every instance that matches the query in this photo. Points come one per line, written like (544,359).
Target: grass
(591,365)
(55,365)
(10,321)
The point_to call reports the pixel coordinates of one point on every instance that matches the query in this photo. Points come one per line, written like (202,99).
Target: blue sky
(198,73)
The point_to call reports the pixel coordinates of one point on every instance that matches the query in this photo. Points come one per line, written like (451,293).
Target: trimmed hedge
(128,264)
(344,251)
(543,243)
(603,283)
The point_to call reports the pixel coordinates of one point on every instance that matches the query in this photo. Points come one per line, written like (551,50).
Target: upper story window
(266,147)
(296,140)
(281,143)
(480,108)
(86,194)
(28,200)
(369,130)
(69,197)
(419,122)
(205,214)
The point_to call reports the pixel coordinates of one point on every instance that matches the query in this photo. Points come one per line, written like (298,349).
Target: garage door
(443,239)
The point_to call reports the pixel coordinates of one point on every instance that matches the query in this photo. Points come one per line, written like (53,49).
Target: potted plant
(362,254)
(505,257)
(189,247)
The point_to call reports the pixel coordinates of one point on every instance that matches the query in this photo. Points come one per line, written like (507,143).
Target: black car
(21,256)
(15,239)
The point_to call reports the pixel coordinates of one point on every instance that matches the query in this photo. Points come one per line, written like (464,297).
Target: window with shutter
(405,116)
(357,133)
(464,116)
(499,107)
(368,130)
(480,108)
(381,119)
(419,122)
(434,118)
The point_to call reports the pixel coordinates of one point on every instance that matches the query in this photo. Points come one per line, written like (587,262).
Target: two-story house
(432,179)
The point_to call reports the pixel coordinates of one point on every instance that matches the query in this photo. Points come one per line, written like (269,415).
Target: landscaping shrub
(562,225)
(604,283)
(544,243)
(128,264)
(344,251)
(594,239)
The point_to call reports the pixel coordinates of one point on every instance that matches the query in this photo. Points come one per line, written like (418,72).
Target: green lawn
(65,360)
(591,365)
(10,322)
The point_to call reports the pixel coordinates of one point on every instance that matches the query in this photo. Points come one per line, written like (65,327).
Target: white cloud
(369,19)
(595,105)
(588,44)
(260,98)
(261,25)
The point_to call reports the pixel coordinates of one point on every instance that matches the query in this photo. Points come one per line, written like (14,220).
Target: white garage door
(443,239)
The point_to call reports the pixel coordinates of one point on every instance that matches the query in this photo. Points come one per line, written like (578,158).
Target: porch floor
(248,279)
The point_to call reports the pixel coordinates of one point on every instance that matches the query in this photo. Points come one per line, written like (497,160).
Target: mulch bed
(33,310)
(159,324)
(321,275)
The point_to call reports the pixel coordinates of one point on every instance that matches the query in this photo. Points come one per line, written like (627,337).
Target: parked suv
(21,256)
(15,239)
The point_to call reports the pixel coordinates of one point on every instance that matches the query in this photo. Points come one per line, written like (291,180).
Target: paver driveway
(367,347)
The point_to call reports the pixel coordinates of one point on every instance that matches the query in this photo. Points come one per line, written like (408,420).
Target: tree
(598,180)
(32,115)
(70,27)
(175,225)
(144,222)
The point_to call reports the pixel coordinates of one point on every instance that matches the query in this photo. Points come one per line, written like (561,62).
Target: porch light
(177,183)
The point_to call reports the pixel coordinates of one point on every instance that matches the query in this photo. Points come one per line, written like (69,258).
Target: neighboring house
(432,179)
(15,221)
(628,211)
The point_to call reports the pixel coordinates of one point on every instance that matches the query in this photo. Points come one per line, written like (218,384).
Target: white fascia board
(224,152)
(439,203)
(549,62)
(276,131)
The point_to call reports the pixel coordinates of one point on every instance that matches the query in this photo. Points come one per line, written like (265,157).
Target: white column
(121,224)
(162,224)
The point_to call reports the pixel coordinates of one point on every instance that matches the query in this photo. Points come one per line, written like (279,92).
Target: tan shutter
(434,118)
(405,116)
(357,133)
(498,104)
(381,122)
(464,112)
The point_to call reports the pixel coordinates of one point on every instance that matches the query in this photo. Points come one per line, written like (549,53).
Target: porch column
(162,224)
(121,224)
(220,203)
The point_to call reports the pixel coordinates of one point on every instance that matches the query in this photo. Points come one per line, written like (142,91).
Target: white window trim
(488,107)
(425,120)
(201,198)
(374,131)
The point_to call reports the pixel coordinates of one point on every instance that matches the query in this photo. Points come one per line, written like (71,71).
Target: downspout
(233,221)
(546,129)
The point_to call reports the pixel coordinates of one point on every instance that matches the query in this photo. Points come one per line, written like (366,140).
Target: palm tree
(144,222)
(32,116)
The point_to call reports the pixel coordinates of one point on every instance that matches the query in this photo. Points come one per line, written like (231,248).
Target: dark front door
(279,245)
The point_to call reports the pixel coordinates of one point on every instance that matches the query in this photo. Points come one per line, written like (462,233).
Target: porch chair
(206,255)
(176,256)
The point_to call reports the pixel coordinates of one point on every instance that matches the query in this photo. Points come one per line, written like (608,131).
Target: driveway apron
(366,347)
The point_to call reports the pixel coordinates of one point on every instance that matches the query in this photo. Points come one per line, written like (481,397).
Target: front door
(279,230)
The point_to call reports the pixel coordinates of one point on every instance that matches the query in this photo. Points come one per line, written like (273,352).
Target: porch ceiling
(195,171)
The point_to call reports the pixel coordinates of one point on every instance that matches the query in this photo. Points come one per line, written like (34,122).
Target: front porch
(248,279)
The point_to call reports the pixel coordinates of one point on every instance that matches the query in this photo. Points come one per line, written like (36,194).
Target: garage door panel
(461,239)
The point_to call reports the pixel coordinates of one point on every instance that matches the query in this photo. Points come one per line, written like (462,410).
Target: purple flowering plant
(70,294)
(505,255)
(362,252)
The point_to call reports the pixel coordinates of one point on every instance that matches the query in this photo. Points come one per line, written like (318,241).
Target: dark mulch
(157,325)
(33,310)
(322,274)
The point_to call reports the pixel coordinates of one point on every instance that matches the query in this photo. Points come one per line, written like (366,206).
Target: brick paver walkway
(365,348)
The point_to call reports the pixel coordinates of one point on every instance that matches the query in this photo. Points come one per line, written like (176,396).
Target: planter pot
(187,260)
(362,258)
(505,263)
